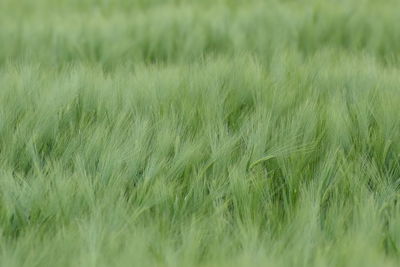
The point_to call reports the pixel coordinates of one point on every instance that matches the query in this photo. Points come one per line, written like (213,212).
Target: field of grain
(199,133)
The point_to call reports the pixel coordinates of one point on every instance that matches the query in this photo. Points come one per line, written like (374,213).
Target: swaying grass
(199,133)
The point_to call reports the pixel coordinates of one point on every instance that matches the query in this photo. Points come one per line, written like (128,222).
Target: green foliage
(199,133)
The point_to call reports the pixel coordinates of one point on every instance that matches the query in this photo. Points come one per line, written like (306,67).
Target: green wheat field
(215,133)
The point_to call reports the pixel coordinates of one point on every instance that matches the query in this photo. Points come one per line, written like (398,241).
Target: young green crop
(199,133)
